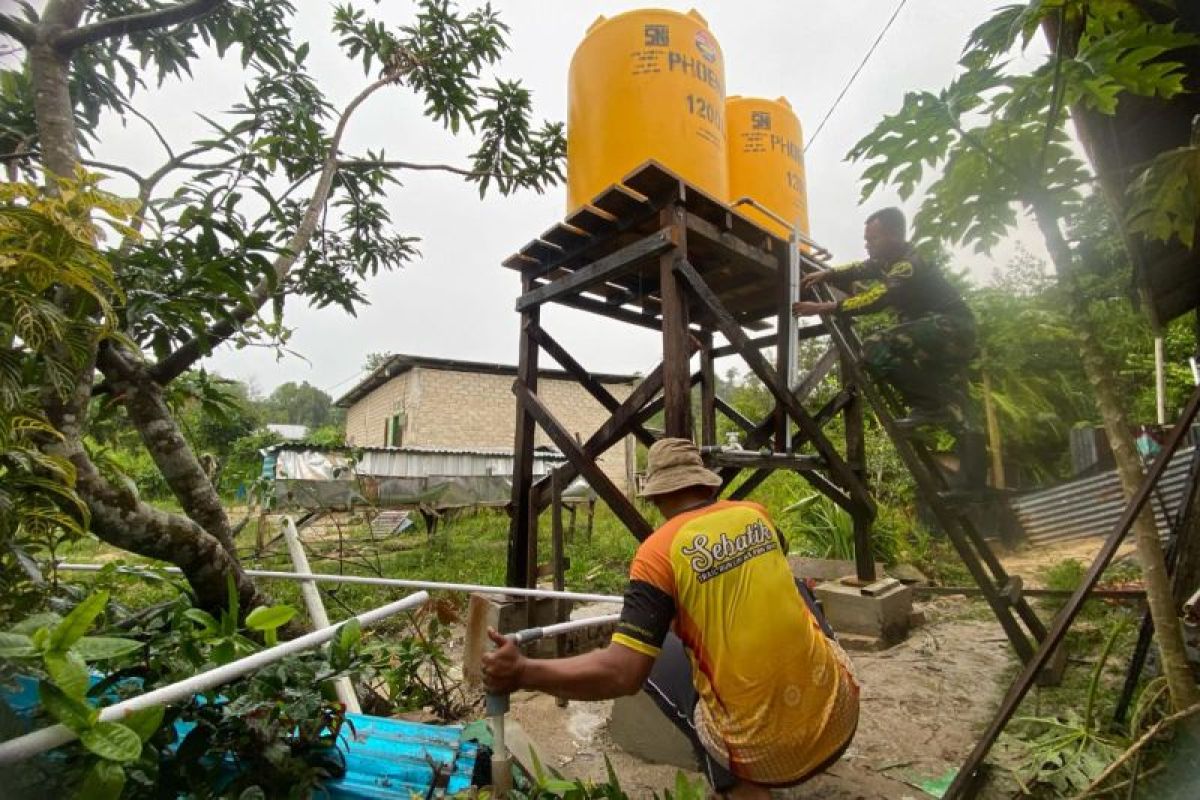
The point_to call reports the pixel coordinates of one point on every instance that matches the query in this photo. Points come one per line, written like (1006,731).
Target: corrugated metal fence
(1091,506)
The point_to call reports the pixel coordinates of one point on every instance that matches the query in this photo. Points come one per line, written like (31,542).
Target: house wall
(366,418)
(473,410)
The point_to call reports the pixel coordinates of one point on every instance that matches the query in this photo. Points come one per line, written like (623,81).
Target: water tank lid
(694,14)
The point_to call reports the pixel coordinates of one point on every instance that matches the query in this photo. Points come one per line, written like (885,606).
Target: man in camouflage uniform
(926,357)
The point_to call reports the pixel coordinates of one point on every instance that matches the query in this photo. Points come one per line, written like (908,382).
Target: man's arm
(880,295)
(599,675)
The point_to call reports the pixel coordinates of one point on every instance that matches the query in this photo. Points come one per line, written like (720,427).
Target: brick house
(414,401)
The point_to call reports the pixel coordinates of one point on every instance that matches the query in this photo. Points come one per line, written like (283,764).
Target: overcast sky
(456,301)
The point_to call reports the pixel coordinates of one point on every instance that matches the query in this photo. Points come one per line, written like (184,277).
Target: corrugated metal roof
(542,452)
(399,364)
(1092,506)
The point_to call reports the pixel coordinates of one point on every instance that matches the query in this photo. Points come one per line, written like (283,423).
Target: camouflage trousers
(927,361)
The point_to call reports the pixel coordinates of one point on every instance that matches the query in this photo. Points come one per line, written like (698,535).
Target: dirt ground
(923,703)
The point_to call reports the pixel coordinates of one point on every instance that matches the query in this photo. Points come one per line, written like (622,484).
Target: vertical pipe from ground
(316,608)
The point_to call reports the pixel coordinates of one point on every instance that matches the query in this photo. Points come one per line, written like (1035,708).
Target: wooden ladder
(1001,590)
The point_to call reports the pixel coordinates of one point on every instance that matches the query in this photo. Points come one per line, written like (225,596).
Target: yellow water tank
(766,161)
(646,85)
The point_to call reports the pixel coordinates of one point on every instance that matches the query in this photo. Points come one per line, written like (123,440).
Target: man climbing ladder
(927,355)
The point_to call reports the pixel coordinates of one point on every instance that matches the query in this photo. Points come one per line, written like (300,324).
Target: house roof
(1167,276)
(539,452)
(397,365)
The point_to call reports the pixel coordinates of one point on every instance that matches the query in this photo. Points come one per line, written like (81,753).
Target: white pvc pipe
(44,739)
(559,628)
(399,583)
(316,609)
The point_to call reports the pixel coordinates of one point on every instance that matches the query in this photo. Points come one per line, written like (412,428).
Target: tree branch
(133,23)
(23,32)
(196,348)
(358,163)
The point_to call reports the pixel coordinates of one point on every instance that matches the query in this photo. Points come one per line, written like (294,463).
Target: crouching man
(716,630)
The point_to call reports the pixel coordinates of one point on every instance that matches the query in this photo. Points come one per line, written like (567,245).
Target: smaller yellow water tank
(643,85)
(766,161)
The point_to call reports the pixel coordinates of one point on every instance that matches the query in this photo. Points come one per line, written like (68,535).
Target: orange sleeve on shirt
(652,563)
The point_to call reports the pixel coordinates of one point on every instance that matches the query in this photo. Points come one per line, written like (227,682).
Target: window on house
(393,430)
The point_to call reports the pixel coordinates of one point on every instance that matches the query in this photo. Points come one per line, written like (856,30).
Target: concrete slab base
(881,611)
(639,728)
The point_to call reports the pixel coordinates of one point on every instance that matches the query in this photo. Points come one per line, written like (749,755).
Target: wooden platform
(603,257)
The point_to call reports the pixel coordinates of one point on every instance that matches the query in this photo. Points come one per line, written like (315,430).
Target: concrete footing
(639,728)
(880,611)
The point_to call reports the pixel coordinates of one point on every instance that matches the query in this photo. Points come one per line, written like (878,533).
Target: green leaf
(266,618)
(76,624)
(72,712)
(69,672)
(30,624)
(16,645)
(104,781)
(101,648)
(113,741)
(145,721)
(202,618)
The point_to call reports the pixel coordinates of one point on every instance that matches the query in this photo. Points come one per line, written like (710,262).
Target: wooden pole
(677,374)
(522,480)
(708,392)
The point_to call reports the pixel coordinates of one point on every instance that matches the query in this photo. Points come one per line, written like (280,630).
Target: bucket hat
(674,464)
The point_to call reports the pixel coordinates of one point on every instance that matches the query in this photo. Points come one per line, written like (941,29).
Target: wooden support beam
(703,229)
(751,483)
(608,434)
(604,269)
(775,383)
(708,392)
(735,416)
(577,371)
(617,226)
(618,313)
(522,481)
(676,352)
(583,462)
(771,340)
(785,352)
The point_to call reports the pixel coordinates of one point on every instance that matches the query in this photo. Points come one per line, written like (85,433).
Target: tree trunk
(180,468)
(1168,633)
(118,518)
(993,430)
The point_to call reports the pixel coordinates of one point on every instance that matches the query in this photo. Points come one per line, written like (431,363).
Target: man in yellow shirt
(717,631)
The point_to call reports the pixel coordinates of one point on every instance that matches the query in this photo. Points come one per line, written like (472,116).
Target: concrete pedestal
(880,611)
(639,728)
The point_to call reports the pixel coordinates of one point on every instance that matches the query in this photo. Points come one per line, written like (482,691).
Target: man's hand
(808,308)
(813,278)
(504,667)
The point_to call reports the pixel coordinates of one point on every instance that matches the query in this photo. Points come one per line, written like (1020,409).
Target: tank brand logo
(789,148)
(710,560)
(695,68)
(707,46)
(657,35)
(760,120)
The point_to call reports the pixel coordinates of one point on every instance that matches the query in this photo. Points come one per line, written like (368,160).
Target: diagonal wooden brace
(777,385)
(584,463)
(585,379)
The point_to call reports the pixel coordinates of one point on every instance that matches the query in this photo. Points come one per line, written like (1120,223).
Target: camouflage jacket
(910,286)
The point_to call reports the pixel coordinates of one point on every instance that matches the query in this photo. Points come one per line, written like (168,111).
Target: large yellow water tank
(646,85)
(766,161)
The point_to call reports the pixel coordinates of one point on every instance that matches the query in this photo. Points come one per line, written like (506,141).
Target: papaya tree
(996,140)
(267,203)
